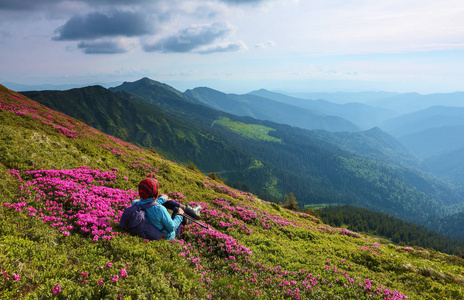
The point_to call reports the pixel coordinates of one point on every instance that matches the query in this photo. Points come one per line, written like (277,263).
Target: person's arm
(161,199)
(164,198)
(168,223)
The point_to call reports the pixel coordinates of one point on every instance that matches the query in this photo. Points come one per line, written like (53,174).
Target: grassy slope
(252,131)
(253,249)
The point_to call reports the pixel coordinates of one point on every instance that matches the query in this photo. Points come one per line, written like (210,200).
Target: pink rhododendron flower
(56,289)
(123,273)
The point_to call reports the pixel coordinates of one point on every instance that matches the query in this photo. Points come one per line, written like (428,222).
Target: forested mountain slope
(449,165)
(64,186)
(144,124)
(397,230)
(453,225)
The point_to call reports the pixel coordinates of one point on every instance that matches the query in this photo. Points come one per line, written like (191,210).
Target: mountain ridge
(362,115)
(410,102)
(268,109)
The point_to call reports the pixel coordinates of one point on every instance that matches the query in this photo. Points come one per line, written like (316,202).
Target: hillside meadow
(64,186)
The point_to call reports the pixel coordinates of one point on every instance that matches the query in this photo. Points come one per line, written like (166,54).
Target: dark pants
(171,205)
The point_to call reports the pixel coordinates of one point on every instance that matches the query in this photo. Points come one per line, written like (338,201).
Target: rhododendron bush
(74,200)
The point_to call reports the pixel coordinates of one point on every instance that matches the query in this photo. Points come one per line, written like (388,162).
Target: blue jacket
(159,216)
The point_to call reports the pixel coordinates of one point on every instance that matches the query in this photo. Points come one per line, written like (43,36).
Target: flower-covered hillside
(64,186)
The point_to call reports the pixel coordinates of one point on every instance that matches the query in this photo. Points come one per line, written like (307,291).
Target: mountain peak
(263,92)
(147,86)
(147,80)
(207,90)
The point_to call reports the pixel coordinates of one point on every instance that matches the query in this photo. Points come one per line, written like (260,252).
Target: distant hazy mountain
(432,117)
(428,132)
(344,97)
(410,102)
(364,116)
(434,141)
(266,109)
(436,136)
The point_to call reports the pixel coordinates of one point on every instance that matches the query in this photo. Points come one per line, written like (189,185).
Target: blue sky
(237,45)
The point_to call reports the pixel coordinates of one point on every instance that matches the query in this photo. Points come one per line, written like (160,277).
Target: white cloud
(268,44)
(190,38)
(224,47)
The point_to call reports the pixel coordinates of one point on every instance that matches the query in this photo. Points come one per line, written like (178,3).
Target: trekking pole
(195,221)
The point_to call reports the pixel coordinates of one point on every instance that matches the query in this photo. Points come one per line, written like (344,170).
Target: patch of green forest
(397,230)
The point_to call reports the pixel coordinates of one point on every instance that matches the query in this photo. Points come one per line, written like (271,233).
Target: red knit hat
(149,188)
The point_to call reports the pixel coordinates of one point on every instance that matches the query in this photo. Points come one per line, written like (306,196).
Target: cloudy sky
(237,45)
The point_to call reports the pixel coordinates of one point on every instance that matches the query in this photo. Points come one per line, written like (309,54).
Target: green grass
(254,249)
(251,131)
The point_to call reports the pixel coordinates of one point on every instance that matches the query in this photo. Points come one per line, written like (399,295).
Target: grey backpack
(134,222)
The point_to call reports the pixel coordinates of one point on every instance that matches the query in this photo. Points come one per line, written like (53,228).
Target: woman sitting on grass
(158,214)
